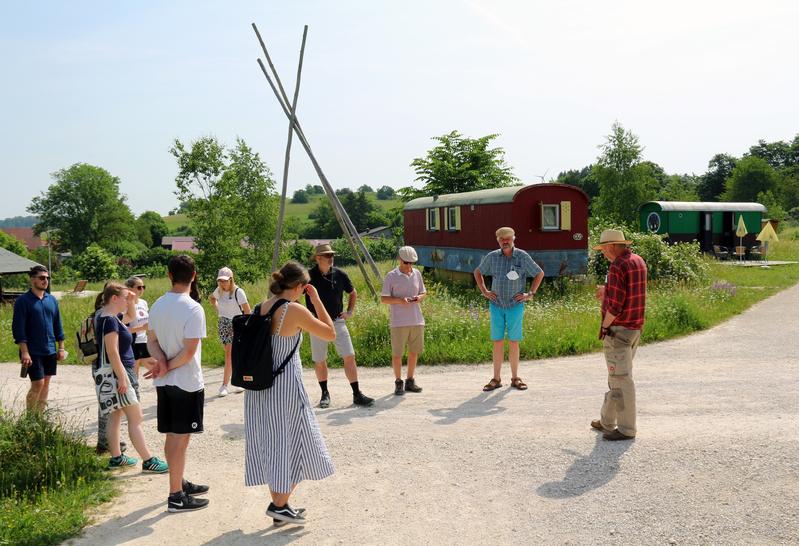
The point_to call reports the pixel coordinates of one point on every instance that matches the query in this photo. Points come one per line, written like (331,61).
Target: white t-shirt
(230,304)
(173,318)
(142,316)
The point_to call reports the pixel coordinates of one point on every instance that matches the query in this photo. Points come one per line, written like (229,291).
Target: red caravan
(453,232)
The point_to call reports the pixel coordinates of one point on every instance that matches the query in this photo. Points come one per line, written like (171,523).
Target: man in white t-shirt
(176,328)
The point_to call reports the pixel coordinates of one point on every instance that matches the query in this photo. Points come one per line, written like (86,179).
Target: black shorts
(42,365)
(179,411)
(140,351)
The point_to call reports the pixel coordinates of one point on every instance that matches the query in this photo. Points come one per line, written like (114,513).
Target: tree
(750,176)
(582,179)
(777,154)
(343,191)
(300,196)
(363,213)
(315,189)
(366,189)
(719,169)
(624,182)
(460,164)
(233,206)
(774,210)
(82,207)
(384,193)
(788,187)
(95,264)
(9,242)
(151,228)
(679,188)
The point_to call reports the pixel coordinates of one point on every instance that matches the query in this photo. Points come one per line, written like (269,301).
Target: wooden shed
(453,232)
(709,223)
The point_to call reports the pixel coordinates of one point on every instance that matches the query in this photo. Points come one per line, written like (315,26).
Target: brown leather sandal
(493,384)
(517,382)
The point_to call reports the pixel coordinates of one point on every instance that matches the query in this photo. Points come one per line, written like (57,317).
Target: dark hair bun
(278,276)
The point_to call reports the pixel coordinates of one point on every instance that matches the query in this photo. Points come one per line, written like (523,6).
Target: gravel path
(714,462)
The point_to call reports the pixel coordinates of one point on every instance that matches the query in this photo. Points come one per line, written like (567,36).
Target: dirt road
(715,460)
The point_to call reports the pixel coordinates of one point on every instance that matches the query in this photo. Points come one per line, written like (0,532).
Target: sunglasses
(140,287)
(43,278)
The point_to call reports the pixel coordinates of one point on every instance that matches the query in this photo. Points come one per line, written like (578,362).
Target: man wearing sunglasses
(331,283)
(37,330)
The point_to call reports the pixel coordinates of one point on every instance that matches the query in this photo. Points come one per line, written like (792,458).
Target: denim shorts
(503,319)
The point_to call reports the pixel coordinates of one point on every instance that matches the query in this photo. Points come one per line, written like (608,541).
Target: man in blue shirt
(37,330)
(508,268)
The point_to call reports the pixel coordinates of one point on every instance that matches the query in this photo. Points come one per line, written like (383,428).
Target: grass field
(558,322)
(297,210)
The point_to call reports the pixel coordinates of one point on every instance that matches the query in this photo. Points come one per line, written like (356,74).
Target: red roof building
(26,235)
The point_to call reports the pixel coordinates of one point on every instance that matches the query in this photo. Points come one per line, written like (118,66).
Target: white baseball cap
(408,254)
(224,274)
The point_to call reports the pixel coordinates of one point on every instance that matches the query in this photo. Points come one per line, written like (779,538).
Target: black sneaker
(325,401)
(194,489)
(284,513)
(181,502)
(277,523)
(411,386)
(360,399)
(398,390)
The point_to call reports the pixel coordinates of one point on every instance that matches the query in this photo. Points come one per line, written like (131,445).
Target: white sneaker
(235,390)
(223,391)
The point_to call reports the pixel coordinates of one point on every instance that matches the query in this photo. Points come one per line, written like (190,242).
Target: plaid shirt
(625,291)
(497,266)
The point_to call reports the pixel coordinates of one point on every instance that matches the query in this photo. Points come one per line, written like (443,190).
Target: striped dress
(283,443)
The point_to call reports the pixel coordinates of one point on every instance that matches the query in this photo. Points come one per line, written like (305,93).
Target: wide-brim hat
(611,237)
(323,249)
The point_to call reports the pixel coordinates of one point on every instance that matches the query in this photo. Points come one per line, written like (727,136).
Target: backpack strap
(282,318)
(236,297)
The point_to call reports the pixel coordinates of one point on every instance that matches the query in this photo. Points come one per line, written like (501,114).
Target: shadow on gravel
(129,528)
(338,418)
(482,405)
(587,472)
(271,535)
(233,431)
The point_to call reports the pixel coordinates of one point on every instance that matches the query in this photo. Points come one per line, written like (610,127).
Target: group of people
(283,442)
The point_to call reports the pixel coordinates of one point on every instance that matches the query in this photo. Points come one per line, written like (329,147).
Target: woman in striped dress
(284,445)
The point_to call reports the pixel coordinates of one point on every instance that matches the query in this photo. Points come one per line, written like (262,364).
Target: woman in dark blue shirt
(117,343)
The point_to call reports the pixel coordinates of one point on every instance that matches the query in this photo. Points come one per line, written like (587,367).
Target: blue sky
(113,83)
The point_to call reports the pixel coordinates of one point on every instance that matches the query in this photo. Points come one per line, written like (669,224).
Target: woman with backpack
(115,347)
(138,325)
(283,443)
(229,301)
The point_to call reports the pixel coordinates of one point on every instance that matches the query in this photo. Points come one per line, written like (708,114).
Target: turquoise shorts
(509,319)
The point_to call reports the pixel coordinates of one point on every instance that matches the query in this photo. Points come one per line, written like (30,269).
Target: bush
(679,262)
(380,249)
(95,264)
(300,196)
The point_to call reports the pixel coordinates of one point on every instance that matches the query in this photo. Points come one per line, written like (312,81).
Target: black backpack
(252,350)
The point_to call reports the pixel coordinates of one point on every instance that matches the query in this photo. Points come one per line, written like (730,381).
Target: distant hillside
(298,210)
(19,221)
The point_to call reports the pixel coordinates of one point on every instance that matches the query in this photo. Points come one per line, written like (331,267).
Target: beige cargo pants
(618,409)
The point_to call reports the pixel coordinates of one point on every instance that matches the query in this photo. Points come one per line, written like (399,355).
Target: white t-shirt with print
(230,305)
(173,318)
(142,316)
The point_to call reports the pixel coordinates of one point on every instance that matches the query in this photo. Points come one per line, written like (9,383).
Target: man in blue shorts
(508,268)
(37,330)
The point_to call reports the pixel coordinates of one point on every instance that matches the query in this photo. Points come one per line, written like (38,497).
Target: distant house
(380,232)
(182,243)
(26,235)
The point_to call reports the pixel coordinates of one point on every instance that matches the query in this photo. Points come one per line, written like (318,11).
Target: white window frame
(453,218)
(556,208)
(433,214)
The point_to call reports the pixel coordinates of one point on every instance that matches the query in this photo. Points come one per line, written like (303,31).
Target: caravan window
(550,217)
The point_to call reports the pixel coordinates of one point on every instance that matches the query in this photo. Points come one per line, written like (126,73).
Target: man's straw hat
(611,237)
(504,232)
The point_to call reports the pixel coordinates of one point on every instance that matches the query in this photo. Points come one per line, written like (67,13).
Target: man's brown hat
(324,249)
(611,237)
(505,232)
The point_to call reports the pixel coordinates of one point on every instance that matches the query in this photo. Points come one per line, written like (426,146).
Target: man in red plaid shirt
(623,300)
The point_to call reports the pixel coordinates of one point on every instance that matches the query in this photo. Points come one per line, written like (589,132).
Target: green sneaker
(121,461)
(154,465)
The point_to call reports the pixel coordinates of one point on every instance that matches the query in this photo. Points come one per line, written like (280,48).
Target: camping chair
(721,252)
(740,252)
(80,286)
(756,253)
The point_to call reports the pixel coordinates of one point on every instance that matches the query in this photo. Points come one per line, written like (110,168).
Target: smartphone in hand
(23,371)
